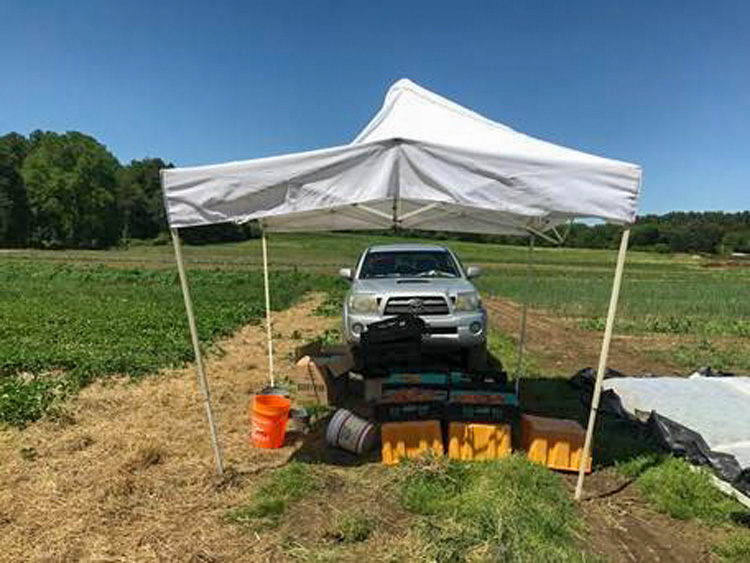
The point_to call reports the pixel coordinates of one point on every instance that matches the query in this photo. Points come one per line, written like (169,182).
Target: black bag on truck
(394,343)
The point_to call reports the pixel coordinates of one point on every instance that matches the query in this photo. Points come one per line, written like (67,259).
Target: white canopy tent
(423,162)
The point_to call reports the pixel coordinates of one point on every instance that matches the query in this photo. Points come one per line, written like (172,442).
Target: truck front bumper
(458,330)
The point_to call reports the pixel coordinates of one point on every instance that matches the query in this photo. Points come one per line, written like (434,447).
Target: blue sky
(665,84)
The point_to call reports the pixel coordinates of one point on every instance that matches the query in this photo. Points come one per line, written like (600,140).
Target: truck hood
(413,286)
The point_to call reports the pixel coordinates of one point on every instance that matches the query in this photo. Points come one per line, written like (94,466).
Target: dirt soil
(562,348)
(128,474)
(622,529)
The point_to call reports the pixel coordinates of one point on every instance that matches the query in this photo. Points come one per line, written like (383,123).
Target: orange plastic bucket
(268,419)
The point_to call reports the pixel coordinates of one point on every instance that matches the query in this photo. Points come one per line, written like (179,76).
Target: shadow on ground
(616,440)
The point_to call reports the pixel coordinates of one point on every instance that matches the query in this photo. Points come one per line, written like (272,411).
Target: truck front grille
(417,305)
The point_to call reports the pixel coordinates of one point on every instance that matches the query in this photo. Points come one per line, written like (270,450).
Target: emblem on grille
(416,305)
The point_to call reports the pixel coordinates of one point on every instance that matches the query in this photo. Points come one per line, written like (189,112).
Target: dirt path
(561,348)
(130,476)
(623,530)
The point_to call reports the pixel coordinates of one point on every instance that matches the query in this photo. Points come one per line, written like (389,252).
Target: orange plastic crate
(477,442)
(410,440)
(554,442)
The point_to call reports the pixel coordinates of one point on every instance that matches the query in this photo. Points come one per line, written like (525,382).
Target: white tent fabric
(423,162)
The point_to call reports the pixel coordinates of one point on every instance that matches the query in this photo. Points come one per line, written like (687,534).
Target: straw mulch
(128,472)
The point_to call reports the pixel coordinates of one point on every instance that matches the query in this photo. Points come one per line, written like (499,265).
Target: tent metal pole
(269,332)
(603,359)
(196,349)
(522,338)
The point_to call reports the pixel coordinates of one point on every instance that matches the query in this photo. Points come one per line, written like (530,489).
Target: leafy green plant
(329,337)
(707,352)
(22,400)
(286,382)
(318,412)
(670,324)
(28,454)
(332,304)
(87,322)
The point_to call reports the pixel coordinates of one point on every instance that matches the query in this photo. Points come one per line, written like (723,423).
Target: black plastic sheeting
(672,436)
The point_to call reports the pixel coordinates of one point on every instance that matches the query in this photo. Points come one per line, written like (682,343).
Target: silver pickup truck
(425,280)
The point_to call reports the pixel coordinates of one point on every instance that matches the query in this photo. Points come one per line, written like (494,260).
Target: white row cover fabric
(423,162)
(698,403)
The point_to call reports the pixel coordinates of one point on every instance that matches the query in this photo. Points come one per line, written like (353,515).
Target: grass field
(67,324)
(509,510)
(69,317)
(573,282)
(661,293)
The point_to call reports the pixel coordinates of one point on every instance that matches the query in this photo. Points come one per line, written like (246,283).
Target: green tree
(14,212)
(141,201)
(71,183)
(737,241)
(645,235)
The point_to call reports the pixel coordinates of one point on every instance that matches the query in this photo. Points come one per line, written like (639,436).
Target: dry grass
(127,473)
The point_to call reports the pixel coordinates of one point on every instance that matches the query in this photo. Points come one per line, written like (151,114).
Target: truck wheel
(476,358)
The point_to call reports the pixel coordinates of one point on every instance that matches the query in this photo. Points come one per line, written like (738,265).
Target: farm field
(683,312)
(78,327)
(70,317)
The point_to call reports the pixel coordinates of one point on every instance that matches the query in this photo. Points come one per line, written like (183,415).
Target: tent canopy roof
(423,162)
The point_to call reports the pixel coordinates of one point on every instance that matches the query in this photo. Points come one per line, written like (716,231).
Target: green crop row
(669,324)
(672,299)
(66,325)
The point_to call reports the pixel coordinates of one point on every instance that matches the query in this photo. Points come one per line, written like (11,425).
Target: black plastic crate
(403,412)
(425,379)
(404,328)
(382,359)
(412,394)
(462,412)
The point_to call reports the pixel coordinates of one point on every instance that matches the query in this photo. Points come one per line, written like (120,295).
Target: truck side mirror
(346,273)
(473,272)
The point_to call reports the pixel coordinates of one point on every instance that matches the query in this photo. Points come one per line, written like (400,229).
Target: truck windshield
(409,264)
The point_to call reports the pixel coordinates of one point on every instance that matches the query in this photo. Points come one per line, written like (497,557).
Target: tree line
(66,190)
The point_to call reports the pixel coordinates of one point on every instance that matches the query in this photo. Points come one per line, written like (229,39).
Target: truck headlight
(363,303)
(467,302)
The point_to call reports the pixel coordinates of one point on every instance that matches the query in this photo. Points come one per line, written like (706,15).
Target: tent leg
(196,349)
(269,333)
(603,360)
(522,337)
